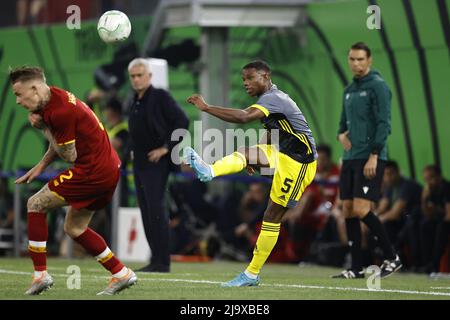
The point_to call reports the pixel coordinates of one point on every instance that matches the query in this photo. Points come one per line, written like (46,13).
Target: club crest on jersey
(363,93)
(72,98)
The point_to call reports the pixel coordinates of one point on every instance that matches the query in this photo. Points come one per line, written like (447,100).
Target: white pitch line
(432,293)
(16,272)
(101,270)
(300,286)
(315,287)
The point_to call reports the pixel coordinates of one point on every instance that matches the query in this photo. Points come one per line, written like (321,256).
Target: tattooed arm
(48,157)
(37,122)
(67,152)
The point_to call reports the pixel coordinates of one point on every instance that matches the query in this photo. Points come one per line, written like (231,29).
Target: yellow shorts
(290,177)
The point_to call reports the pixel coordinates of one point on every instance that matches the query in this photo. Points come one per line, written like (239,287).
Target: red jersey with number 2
(93,178)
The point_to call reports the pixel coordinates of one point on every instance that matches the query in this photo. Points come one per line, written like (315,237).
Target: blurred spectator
(8,13)
(435,228)
(250,213)
(192,217)
(340,235)
(118,134)
(327,179)
(32,12)
(6,205)
(95,96)
(182,222)
(313,213)
(120,5)
(325,186)
(28,11)
(97,99)
(400,203)
(6,216)
(117,130)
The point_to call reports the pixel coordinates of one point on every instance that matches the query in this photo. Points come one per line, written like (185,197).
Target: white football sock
(250,275)
(122,273)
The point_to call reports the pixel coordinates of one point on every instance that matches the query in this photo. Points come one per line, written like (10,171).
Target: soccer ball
(113,26)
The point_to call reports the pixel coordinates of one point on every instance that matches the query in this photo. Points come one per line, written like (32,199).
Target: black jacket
(152,126)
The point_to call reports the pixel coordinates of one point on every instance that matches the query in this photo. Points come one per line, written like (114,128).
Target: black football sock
(378,230)
(353,228)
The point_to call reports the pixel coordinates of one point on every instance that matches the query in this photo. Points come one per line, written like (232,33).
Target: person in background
(153,116)
(364,128)
(6,204)
(313,212)
(251,211)
(117,130)
(119,136)
(436,224)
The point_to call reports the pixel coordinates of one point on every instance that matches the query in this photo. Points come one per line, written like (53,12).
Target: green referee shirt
(366,114)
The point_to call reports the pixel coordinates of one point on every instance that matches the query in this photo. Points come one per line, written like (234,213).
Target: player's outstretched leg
(202,169)
(232,163)
(76,227)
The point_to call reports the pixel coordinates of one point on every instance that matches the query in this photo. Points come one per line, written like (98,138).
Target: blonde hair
(26,73)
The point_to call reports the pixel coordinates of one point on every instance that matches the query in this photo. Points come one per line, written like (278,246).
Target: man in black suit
(153,116)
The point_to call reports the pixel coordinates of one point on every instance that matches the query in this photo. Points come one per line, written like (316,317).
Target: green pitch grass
(198,281)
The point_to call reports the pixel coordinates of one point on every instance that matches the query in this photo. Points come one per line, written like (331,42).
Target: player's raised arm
(226,114)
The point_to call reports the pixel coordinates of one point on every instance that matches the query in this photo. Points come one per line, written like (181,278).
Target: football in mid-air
(114,26)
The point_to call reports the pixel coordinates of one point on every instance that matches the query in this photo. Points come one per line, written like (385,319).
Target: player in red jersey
(77,136)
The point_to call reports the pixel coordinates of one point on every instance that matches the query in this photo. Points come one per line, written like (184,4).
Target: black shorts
(353,183)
